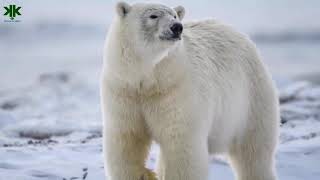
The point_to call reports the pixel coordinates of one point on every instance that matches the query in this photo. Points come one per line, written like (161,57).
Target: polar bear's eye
(175,16)
(153,16)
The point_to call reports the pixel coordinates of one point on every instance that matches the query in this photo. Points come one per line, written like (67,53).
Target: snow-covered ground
(51,130)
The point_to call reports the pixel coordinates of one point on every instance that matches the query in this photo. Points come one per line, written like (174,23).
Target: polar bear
(196,89)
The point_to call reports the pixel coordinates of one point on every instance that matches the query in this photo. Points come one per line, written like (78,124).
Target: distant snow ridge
(55,105)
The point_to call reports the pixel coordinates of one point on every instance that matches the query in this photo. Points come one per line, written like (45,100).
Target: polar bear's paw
(148,175)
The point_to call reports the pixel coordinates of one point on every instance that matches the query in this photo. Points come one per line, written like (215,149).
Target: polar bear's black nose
(176,28)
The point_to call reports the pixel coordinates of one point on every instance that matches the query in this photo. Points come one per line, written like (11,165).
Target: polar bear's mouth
(173,37)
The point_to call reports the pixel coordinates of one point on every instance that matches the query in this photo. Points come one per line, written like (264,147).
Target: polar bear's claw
(148,175)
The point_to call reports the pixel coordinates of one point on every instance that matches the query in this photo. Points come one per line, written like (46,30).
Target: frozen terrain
(51,130)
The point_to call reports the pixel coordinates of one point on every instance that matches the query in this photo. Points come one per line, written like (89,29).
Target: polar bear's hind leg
(253,159)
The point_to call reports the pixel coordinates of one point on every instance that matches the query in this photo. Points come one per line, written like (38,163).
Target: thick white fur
(207,94)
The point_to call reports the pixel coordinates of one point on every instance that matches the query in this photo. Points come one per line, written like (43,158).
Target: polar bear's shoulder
(201,24)
(207,25)
(213,32)
(212,28)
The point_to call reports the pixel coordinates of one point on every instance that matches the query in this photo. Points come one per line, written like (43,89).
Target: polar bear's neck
(134,50)
(142,53)
(125,50)
(144,71)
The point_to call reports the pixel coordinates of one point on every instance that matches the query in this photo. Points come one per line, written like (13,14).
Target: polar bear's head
(153,28)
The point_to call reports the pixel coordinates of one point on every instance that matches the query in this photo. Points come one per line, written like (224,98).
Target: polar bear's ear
(180,11)
(123,8)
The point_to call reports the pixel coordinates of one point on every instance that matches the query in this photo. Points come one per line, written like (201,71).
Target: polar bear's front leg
(183,159)
(126,143)
(182,140)
(125,155)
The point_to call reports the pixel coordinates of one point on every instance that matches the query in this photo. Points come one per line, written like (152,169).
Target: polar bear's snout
(176,29)
(173,33)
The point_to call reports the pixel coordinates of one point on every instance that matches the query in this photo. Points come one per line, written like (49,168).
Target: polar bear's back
(229,73)
(221,52)
(221,44)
